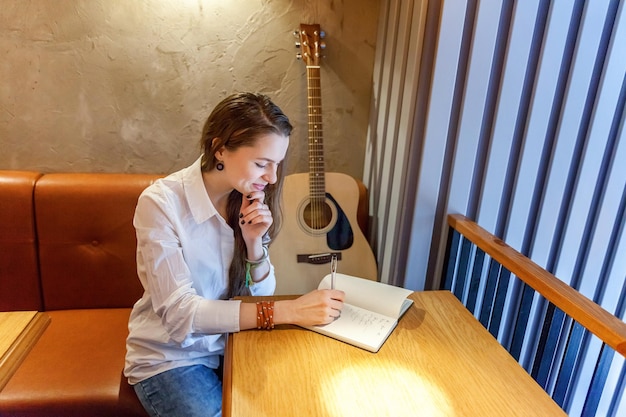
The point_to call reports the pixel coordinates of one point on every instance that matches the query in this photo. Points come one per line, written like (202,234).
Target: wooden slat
(598,381)
(451,254)
(589,314)
(568,365)
(499,301)
(521,321)
(490,293)
(474,285)
(466,248)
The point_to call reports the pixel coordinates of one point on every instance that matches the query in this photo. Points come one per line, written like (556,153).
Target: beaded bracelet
(265,315)
(250,265)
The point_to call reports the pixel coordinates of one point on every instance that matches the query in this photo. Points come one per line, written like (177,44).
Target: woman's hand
(311,309)
(255,217)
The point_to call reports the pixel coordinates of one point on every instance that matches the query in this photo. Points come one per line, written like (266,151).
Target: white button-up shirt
(184,251)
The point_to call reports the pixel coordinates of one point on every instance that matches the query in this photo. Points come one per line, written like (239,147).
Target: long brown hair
(238,121)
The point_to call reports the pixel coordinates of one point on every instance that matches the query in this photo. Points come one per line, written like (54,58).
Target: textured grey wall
(125,85)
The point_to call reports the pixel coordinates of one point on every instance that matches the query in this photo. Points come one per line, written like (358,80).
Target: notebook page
(375,296)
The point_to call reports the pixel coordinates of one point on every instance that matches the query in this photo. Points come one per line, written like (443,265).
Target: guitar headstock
(311,44)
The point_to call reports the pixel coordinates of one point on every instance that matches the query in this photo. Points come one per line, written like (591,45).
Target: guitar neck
(317,179)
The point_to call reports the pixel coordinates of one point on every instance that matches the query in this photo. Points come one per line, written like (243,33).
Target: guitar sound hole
(317,215)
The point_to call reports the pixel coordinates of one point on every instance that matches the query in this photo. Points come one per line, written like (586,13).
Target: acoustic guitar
(320,209)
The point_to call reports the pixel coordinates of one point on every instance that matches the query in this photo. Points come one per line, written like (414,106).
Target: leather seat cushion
(75,369)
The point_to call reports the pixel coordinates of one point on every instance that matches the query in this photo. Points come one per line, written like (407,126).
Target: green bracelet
(250,265)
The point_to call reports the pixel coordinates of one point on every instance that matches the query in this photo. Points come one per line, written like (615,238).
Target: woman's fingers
(256,213)
(320,306)
(254,210)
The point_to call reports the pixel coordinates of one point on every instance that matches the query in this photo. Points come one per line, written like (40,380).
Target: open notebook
(371,311)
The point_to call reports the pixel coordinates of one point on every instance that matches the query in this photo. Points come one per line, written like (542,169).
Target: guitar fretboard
(317,179)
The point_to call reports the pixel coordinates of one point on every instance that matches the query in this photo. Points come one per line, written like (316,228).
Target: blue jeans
(190,391)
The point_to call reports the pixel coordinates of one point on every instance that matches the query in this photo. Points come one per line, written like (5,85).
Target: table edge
(14,356)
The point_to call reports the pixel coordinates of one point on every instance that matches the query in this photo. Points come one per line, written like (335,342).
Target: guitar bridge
(318,258)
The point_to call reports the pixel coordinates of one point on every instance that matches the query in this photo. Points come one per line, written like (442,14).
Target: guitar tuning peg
(322,34)
(297,44)
(322,45)
(298,56)
(296,33)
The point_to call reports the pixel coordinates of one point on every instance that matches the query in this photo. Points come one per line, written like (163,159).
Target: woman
(202,236)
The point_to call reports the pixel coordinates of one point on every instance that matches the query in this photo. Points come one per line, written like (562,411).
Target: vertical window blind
(511,113)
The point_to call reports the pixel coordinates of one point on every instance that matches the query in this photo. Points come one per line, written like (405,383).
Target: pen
(333,271)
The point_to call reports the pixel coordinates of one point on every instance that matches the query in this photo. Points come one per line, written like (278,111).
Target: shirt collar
(200,204)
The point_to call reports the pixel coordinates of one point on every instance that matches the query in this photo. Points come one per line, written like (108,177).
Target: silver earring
(219,166)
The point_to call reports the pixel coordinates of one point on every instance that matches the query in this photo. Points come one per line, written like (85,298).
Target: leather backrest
(87,243)
(19,275)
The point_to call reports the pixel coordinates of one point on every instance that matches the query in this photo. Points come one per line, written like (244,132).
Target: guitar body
(301,252)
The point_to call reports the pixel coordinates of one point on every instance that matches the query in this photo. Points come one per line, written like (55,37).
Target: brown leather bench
(67,247)
(19,269)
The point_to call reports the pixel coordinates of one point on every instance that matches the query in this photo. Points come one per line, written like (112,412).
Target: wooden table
(439,361)
(19,331)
